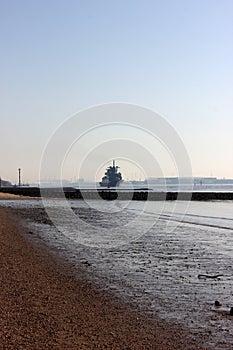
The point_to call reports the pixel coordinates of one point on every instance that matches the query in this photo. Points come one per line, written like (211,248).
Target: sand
(43,306)
(5,196)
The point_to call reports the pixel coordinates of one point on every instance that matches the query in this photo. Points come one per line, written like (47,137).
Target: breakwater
(113,194)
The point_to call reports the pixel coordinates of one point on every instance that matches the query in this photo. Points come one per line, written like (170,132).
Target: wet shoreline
(46,307)
(157,273)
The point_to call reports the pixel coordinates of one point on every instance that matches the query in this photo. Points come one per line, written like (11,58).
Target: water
(167,187)
(156,256)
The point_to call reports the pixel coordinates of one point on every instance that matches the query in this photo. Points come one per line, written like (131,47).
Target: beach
(44,306)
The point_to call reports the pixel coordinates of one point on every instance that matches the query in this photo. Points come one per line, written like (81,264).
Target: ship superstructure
(112,177)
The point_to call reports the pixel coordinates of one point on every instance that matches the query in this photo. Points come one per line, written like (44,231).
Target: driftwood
(209,276)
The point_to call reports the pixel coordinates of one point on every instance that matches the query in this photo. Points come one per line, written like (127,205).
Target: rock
(231,311)
(217,303)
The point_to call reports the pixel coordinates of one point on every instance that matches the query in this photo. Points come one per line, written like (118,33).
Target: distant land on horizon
(4,183)
(149,181)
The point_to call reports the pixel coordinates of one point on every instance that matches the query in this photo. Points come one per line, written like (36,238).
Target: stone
(217,303)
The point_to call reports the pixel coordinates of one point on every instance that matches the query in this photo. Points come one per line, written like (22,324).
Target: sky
(61,57)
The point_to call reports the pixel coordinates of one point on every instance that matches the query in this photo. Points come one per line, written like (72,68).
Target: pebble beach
(44,306)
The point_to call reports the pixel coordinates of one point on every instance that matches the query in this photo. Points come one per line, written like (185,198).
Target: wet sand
(43,306)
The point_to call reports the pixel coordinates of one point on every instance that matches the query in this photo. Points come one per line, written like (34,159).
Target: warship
(112,177)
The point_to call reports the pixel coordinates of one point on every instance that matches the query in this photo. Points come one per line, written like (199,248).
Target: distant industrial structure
(19,170)
(4,183)
(194,180)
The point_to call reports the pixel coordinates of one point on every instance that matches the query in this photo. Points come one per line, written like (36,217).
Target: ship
(112,177)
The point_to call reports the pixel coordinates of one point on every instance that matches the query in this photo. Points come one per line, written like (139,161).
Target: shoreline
(43,306)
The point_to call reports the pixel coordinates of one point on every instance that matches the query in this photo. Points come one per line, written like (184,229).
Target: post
(19,177)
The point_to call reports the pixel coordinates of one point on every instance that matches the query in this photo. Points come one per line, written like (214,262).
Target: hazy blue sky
(175,57)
